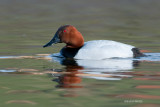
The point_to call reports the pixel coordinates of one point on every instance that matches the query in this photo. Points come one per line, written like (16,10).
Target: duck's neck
(73,45)
(75,42)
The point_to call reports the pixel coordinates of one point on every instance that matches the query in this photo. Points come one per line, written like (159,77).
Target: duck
(96,49)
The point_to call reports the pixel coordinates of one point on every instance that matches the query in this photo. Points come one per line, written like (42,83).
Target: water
(3,70)
(31,76)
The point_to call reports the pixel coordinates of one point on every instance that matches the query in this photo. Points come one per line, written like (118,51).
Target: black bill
(54,40)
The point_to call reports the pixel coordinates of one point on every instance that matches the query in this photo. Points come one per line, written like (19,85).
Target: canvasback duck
(96,49)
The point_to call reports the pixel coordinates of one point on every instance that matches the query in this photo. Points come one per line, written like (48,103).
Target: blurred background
(25,26)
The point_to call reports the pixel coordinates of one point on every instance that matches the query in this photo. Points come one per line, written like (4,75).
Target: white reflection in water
(3,70)
(8,57)
(108,66)
(150,57)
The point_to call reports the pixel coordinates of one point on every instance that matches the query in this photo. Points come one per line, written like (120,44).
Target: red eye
(64,30)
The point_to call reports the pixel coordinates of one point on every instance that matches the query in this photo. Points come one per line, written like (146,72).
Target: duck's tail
(137,53)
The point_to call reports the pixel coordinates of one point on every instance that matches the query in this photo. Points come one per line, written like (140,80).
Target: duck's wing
(102,49)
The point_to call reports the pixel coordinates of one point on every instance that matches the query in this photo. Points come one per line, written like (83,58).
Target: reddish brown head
(67,34)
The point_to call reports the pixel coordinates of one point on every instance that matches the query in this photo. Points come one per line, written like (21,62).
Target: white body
(102,49)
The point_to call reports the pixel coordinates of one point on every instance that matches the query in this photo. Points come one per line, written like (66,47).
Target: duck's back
(102,49)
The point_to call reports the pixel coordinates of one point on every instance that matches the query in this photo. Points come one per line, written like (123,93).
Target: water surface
(28,79)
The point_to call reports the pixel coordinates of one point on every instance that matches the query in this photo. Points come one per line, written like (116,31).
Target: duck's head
(67,34)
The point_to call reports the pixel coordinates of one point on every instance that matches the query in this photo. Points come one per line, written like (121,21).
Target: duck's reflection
(70,79)
(113,67)
(109,69)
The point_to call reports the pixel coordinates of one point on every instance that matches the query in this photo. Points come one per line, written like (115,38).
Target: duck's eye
(64,31)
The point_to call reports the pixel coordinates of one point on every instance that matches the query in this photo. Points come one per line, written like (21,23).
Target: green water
(25,26)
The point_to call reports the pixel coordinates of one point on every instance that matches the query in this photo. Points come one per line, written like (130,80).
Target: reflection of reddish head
(70,80)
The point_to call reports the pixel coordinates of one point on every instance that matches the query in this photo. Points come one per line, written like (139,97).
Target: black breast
(69,52)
